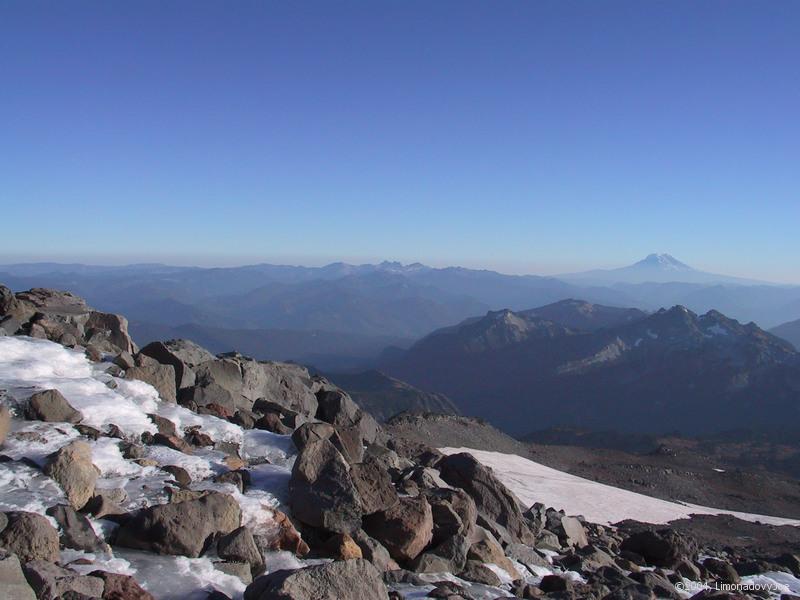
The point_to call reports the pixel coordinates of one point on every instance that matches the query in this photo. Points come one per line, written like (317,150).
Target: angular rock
(181,475)
(574,533)
(662,548)
(492,499)
(239,546)
(51,406)
(374,551)
(174,442)
(13,584)
(405,529)
(183,355)
(489,551)
(480,573)
(182,528)
(454,512)
(71,467)
(51,582)
(76,531)
(341,580)
(161,377)
(374,486)
(321,491)
(121,587)
(449,556)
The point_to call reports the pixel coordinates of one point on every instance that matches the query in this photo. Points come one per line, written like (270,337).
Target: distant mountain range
(607,368)
(340,314)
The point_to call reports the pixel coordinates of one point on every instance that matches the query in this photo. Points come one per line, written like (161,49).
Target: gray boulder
(239,546)
(64,318)
(573,531)
(76,531)
(71,467)
(374,551)
(374,486)
(321,490)
(183,528)
(341,580)
(161,377)
(30,537)
(51,582)
(183,355)
(495,503)
(405,529)
(12,580)
(454,512)
(51,406)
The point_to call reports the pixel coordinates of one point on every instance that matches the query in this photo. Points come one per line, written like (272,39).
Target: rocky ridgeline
(390,513)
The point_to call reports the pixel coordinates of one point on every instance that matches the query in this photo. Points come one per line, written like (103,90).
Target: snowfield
(599,503)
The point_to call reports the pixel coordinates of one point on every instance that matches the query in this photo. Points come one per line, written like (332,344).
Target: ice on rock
(178,577)
(24,488)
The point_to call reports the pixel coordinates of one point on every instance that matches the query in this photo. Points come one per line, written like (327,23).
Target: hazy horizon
(543,138)
(509,269)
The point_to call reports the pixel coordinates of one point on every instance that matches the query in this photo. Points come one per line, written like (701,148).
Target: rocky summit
(173,473)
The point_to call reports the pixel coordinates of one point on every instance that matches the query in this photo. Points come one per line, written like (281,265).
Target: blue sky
(522,136)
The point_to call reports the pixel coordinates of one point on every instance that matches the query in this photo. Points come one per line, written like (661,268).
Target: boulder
(374,486)
(574,533)
(181,475)
(51,406)
(183,355)
(182,528)
(448,556)
(239,546)
(65,318)
(662,548)
(161,377)
(405,529)
(374,551)
(350,447)
(489,551)
(340,580)
(174,442)
(454,512)
(12,580)
(121,587)
(76,531)
(338,409)
(51,582)
(722,570)
(494,502)
(479,573)
(71,467)
(321,491)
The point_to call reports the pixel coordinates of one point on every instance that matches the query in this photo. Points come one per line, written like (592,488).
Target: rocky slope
(384,397)
(669,371)
(173,473)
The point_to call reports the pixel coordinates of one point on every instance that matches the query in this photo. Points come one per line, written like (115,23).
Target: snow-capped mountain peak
(665,262)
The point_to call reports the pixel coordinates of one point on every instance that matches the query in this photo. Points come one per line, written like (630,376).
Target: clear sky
(528,136)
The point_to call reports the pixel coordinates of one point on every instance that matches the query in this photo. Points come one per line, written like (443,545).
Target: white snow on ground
(29,365)
(599,503)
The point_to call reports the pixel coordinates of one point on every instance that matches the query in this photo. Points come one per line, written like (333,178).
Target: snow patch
(599,503)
